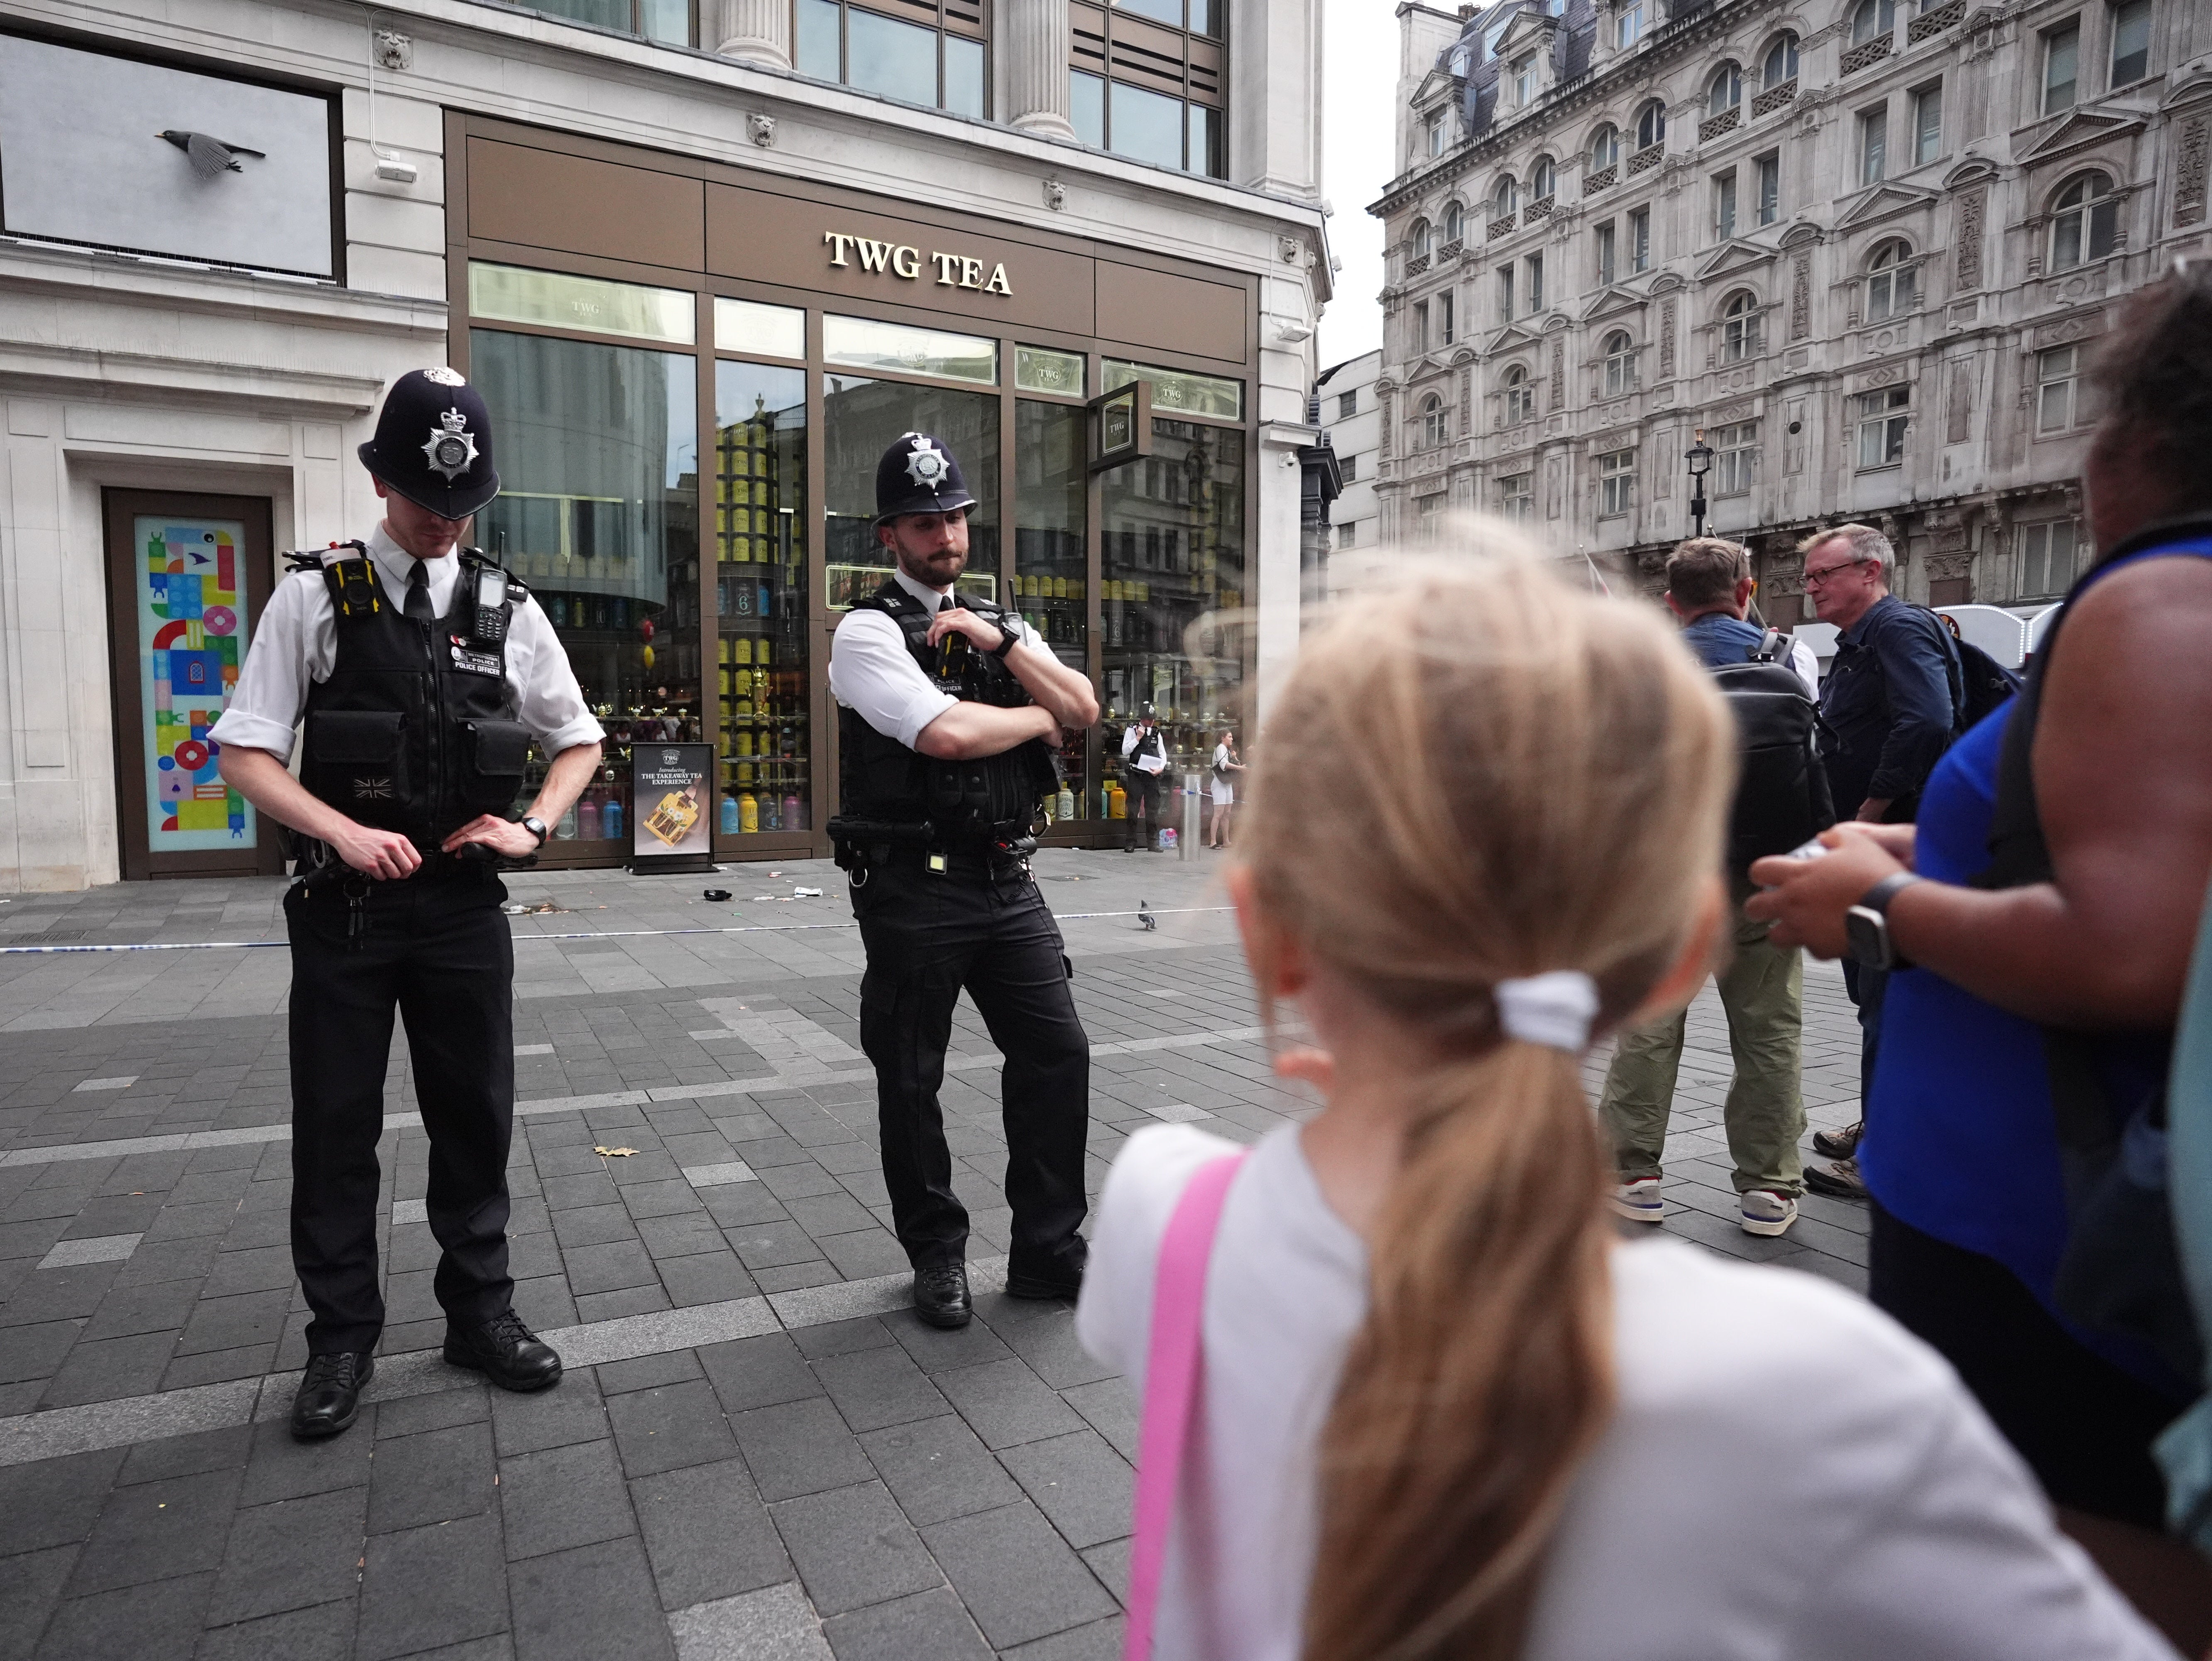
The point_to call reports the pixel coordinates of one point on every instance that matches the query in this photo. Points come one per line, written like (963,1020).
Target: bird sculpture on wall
(209,156)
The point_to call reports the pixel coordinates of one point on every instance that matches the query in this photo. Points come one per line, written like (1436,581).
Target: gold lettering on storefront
(903,261)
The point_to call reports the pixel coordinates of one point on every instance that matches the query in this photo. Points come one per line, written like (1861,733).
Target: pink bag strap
(1172,1363)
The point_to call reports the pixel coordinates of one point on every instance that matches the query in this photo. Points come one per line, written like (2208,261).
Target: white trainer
(1765,1212)
(1639,1200)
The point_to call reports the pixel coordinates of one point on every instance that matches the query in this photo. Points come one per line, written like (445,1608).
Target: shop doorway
(187,577)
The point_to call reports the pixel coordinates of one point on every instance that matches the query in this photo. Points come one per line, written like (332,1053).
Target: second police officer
(422,676)
(950,711)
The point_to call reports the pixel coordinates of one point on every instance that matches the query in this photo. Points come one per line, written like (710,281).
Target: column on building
(1033,34)
(759,30)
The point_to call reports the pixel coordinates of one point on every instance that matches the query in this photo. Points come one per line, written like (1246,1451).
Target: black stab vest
(416,730)
(881,781)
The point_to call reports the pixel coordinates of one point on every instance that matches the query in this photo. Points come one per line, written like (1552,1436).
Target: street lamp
(1701,458)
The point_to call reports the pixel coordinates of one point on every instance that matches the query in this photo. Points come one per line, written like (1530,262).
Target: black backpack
(1782,799)
(1980,682)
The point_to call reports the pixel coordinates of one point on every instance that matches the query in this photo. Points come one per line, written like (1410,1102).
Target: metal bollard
(1186,839)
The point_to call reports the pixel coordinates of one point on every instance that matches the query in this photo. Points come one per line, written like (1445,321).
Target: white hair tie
(1553,1009)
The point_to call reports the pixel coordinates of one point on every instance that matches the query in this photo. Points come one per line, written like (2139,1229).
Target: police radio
(492,592)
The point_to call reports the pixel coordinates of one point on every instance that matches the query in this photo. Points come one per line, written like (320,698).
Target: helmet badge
(452,449)
(927,466)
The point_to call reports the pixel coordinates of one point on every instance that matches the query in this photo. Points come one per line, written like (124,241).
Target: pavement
(756,1452)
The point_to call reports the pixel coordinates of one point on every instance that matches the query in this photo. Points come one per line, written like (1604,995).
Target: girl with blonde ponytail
(1441,1412)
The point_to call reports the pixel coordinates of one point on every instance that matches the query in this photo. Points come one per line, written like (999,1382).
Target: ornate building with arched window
(1866,246)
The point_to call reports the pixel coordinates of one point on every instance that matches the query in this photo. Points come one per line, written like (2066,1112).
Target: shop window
(2045,569)
(1049,581)
(555,300)
(1171,563)
(1736,458)
(925,56)
(598,455)
(861,418)
(1616,482)
(1148,80)
(762,634)
(747,325)
(1882,418)
(1181,391)
(866,342)
(1044,369)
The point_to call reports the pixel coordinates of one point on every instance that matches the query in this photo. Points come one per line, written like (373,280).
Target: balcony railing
(1603,179)
(1866,52)
(1540,209)
(1773,98)
(1501,223)
(1714,126)
(1934,22)
(1417,265)
(1451,250)
(1644,160)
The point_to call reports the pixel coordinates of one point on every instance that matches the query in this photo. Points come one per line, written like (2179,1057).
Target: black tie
(944,602)
(418,594)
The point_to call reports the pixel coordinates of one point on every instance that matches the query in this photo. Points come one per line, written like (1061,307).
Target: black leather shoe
(329,1394)
(505,1350)
(1058,1285)
(940,1295)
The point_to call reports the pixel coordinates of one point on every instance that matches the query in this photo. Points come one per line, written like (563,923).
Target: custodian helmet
(433,443)
(918,475)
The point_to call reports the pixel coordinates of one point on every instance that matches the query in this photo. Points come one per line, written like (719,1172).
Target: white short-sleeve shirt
(296,647)
(1788,1473)
(871,672)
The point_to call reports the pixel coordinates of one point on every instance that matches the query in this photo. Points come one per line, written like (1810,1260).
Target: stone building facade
(706,257)
(1865,248)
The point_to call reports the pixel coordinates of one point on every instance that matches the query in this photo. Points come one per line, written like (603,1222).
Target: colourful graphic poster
(190,599)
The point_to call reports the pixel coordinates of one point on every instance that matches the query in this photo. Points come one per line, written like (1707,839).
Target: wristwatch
(1866,925)
(1010,635)
(536,826)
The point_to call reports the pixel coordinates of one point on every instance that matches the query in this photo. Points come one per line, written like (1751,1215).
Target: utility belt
(863,845)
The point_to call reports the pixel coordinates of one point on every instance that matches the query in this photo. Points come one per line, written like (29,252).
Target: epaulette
(312,559)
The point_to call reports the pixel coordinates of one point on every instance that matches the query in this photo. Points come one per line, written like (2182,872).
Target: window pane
(1181,391)
(817,40)
(511,294)
(898,60)
(1087,107)
(750,325)
(1770,189)
(1206,148)
(963,76)
(1724,204)
(759,540)
(1171,551)
(2060,56)
(668,20)
(2104,227)
(1051,481)
(607,14)
(863,418)
(598,453)
(2052,415)
(2130,41)
(1146,125)
(1160,11)
(1041,369)
(868,345)
(1928,126)
(1874,133)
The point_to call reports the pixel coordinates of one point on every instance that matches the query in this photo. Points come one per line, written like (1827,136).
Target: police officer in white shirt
(421,675)
(1145,765)
(951,711)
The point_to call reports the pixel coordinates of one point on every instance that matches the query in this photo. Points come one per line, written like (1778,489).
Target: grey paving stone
(569,1412)
(1006,1403)
(707,1534)
(126,1310)
(1101,1640)
(433,1477)
(773,1245)
(1111,1563)
(709,1277)
(611,1268)
(937,1468)
(799,1447)
(30,1587)
(110,1370)
(1111,1406)
(249,1317)
(841,1337)
(1079,1482)
(1018,1577)
(71,1292)
(741,1206)
(411,1415)
(428,1587)
(156,1622)
(289,1555)
(156,1530)
(669,1426)
(588,1604)
(775,1623)
(562,1497)
(937,1350)
(753,1372)
(225,1448)
(930,1624)
(682,1236)
(324,1633)
(34,1352)
(281,1468)
(852,1547)
(1042,1336)
(646,1371)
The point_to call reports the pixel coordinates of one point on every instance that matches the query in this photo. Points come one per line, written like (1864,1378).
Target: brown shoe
(1839,1180)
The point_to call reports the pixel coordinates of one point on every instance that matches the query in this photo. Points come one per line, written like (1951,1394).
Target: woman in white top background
(1226,766)
(1444,1412)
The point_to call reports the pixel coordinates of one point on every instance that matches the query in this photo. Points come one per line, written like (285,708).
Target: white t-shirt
(871,670)
(1788,1474)
(296,647)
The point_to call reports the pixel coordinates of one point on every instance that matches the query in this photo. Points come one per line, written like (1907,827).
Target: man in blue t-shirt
(1887,716)
(1709,589)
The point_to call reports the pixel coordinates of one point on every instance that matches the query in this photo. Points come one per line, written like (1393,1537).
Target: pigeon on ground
(1144,916)
(209,156)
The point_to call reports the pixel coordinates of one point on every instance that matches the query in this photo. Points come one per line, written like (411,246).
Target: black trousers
(1868,987)
(926,937)
(2083,1426)
(437,948)
(1143,790)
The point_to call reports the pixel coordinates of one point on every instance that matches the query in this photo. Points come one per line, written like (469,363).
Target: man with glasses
(1889,710)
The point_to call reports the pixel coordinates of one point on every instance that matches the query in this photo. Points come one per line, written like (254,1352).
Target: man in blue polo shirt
(1889,710)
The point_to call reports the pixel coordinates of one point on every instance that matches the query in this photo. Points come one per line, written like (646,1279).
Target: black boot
(505,1350)
(329,1394)
(940,1295)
